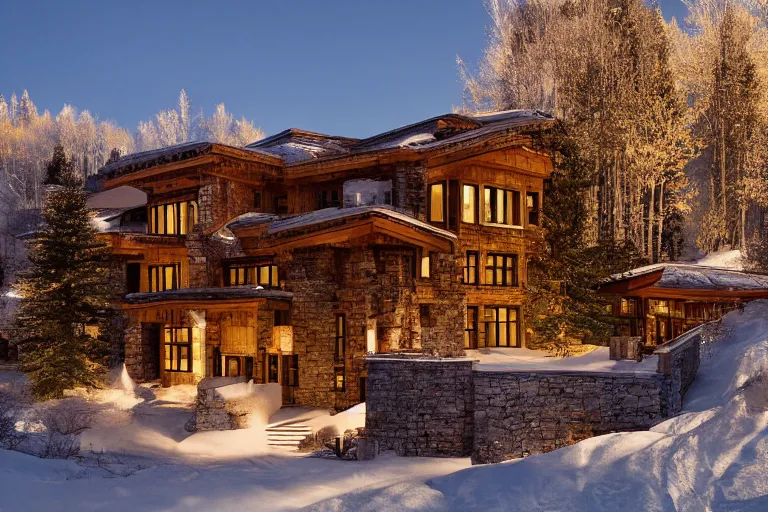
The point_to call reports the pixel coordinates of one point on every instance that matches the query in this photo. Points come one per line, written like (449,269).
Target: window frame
(340,372)
(340,338)
(242,274)
(534,210)
(497,322)
(175,277)
(503,268)
(472,331)
(443,206)
(491,206)
(171,332)
(475,274)
(180,228)
(257,199)
(475,203)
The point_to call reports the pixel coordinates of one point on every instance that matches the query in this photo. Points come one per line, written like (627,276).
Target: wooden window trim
(476,197)
(504,258)
(180,229)
(469,270)
(473,329)
(160,269)
(241,272)
(517,214)
(509,326)
(336,373)
(173,331)
(444,186)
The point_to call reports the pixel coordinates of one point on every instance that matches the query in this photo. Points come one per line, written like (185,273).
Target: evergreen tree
(562,305)
(64,291)
(59,166)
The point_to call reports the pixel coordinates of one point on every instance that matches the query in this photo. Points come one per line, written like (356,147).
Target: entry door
(662,330)
(290,377)
(273,369)
(151,346)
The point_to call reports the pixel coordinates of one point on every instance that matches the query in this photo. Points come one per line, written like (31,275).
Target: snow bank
(522,359)
(723,259)
(712,457)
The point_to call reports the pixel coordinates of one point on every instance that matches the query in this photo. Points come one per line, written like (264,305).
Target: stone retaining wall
(444,407)
(679,361)
(517,414)
(421,407)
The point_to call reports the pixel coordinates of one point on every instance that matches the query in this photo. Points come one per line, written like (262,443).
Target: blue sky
(342,67)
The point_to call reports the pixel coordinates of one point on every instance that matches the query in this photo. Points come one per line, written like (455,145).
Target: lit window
(469,204)
(501,326)
(437,202)
(501,270)
(339,379)
(252,274)
(425,267)
(502,206)
(628,307)
(164,277)
(178,349)
(173,218)
(470,267)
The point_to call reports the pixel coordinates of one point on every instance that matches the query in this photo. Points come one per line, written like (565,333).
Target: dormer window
(173,218)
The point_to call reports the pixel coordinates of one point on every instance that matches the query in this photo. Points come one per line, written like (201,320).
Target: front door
(151,347)
(290,377)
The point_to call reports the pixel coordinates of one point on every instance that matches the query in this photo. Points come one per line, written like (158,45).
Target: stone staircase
(287,436)
(8,367)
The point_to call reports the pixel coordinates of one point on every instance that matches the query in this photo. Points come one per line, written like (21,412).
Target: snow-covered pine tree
(64,292)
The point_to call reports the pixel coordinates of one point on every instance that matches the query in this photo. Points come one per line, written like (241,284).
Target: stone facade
(679,362)
(518,414)
(421,407)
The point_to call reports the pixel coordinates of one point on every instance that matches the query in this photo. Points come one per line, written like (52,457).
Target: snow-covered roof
(294,145)
(331,214)
(208,294)
(698,277)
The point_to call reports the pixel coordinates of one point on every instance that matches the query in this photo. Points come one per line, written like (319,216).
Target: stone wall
(517,414)
(421,407)
(679,361)
(439,407)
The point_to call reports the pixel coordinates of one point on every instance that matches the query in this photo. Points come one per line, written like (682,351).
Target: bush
(63,424)
(323,438)
(10,438)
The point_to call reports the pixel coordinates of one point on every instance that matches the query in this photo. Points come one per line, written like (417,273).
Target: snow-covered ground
(523,359)
(723,259)
(712,457)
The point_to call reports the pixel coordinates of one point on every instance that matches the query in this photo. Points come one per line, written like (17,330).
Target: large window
(178,349)
(253,274)
(164,277)
(470,330)
(173,218)
(470,267)
(501,326)
(628,307)
(501,269)
(328,199)
(469,204)
(437,202)
(341,338)
(502,206)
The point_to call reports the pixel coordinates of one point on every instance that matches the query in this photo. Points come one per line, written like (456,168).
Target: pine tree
(64,291)
(59,166)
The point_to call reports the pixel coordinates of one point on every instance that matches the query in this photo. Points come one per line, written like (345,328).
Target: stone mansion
(293,258)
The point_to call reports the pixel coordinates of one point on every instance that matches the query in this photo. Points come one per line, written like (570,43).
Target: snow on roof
(204,294)
(330,214)
(294,145)
(157,156)
(700,277)
(251,219)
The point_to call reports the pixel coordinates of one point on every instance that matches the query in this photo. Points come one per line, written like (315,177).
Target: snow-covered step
(287,436)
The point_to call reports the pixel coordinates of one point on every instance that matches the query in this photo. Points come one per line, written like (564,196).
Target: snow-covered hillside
(712,457)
